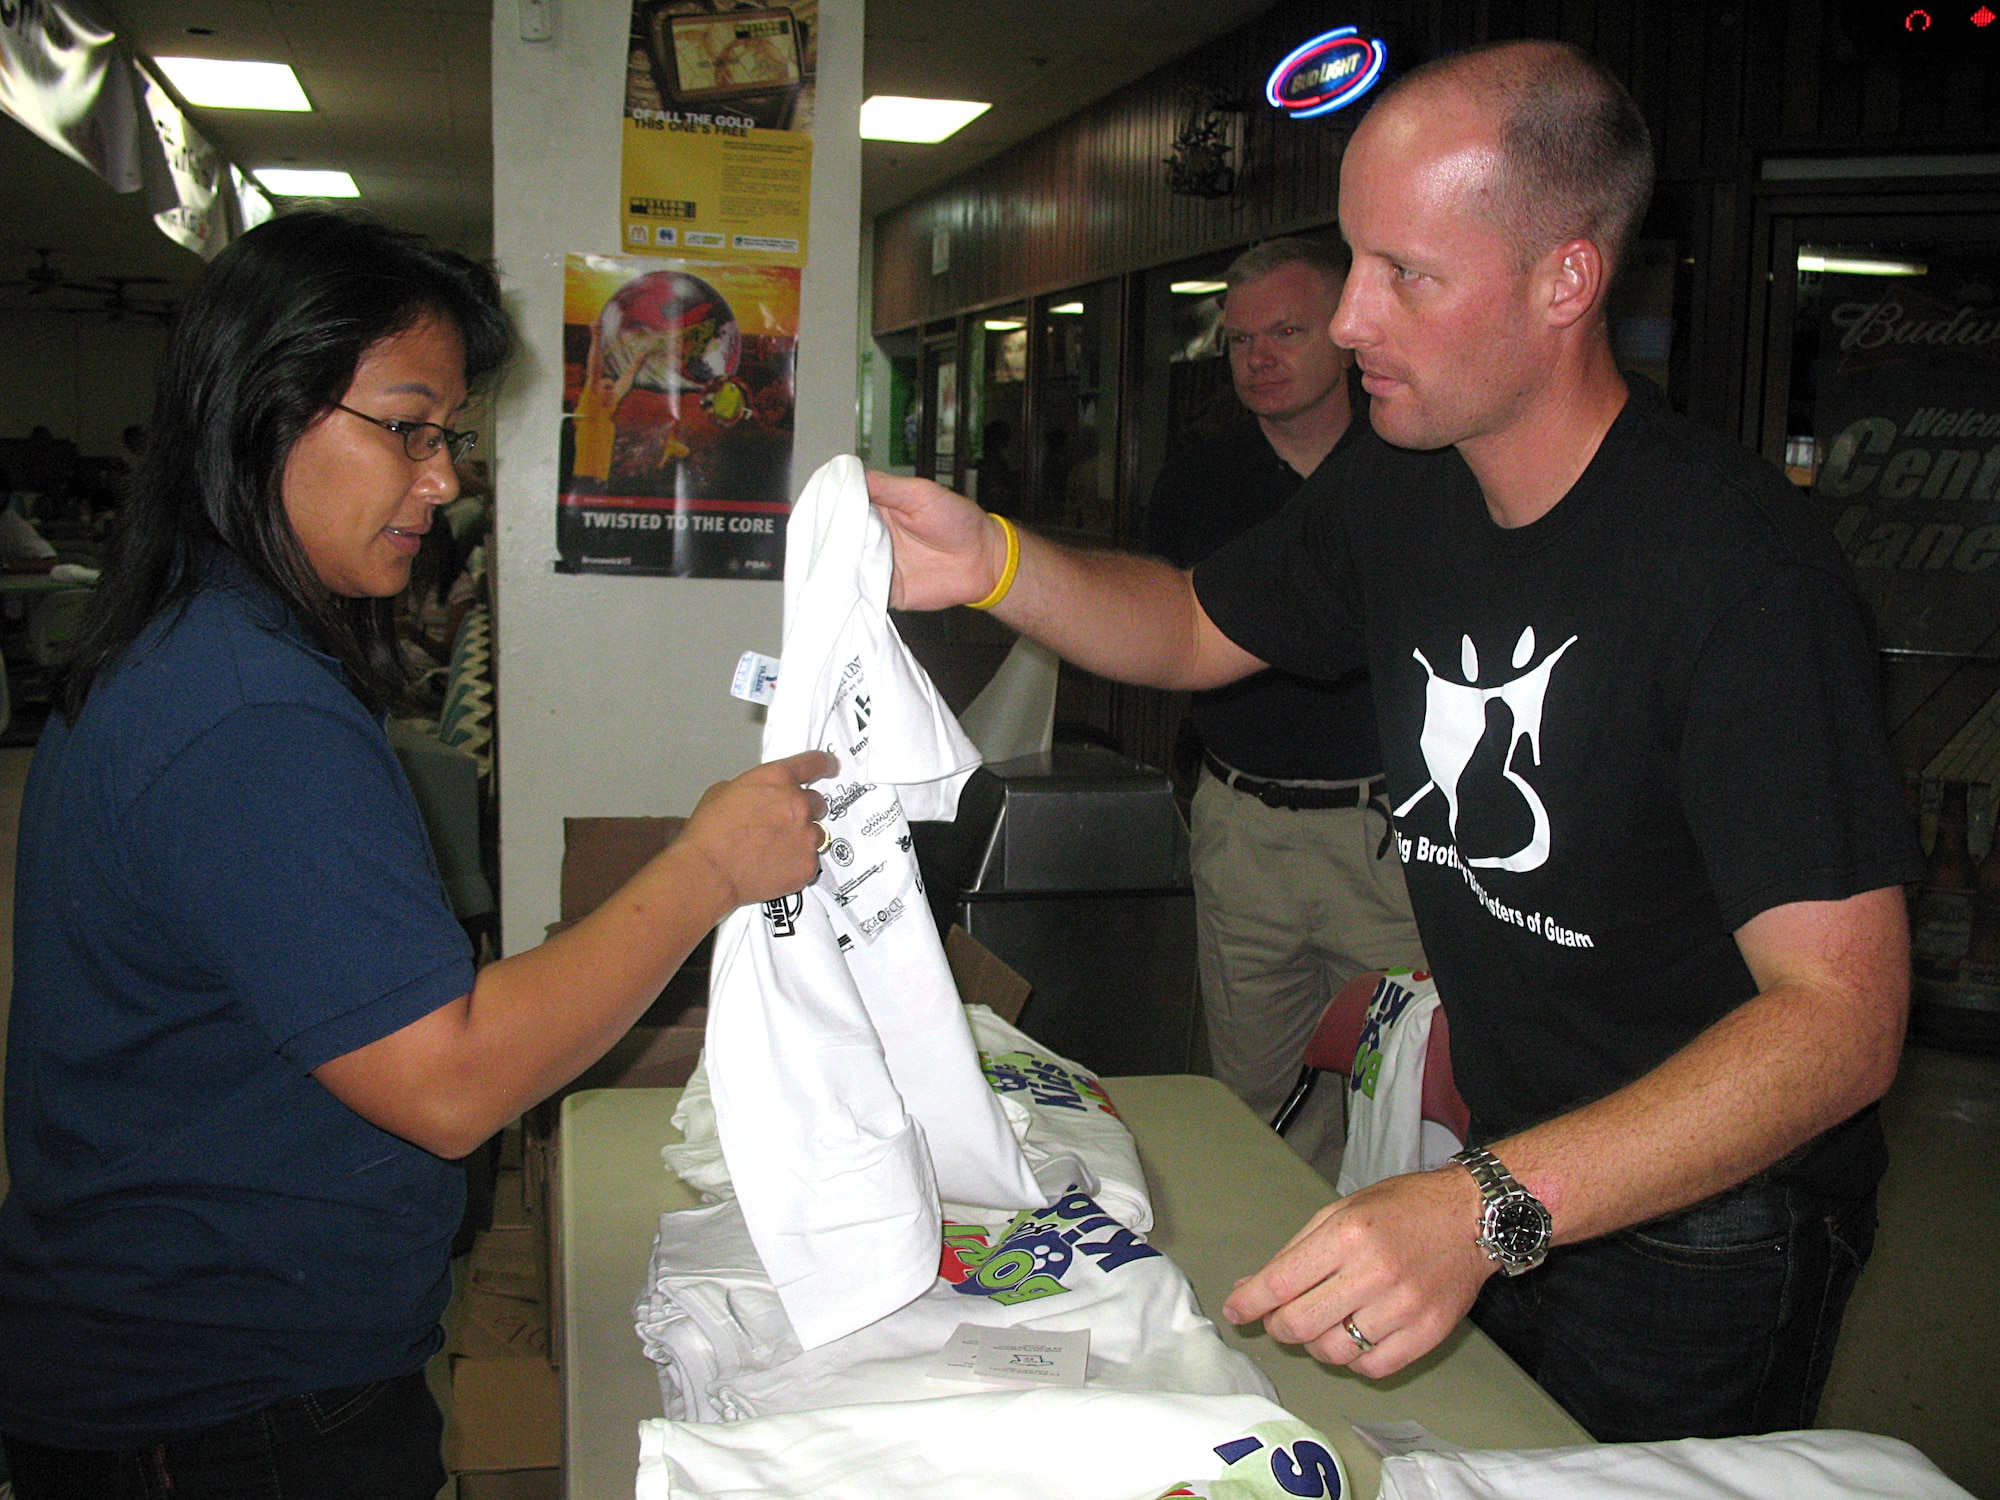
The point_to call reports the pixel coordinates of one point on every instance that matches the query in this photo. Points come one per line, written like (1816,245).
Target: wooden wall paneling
(1966,98)
(1724,147)
(1806,47)
(1678,142)
(1881,101)
(1097,201)
(1131,370)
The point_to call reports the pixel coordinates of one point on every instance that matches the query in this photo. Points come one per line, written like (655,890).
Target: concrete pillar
(613,692)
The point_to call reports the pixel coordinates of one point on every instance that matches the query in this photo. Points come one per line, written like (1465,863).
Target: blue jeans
(1714,1322)
(360,1442)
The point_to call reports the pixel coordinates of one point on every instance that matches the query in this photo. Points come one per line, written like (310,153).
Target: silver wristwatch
(1514,1226)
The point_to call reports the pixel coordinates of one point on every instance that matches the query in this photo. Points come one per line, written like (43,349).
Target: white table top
(1226,1194)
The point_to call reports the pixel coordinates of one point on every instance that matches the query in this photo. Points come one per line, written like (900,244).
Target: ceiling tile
(340,35)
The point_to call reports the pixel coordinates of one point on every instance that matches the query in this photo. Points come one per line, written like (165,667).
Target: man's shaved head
(1575,157)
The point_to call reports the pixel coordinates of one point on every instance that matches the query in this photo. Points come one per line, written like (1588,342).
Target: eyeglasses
(421,440)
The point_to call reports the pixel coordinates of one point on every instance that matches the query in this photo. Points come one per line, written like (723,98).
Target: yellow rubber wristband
(1006,583)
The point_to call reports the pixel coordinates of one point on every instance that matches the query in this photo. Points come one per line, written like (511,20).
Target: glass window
(1076,423)
(1183,395)
(941,406)
(892,425)
(996,408)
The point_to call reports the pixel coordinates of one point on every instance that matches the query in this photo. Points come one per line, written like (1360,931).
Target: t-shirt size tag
(1394,1439)
(756,679)
(1008,1356)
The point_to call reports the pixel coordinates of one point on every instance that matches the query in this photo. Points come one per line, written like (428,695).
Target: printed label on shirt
(845,891)
(842,799)
(783,914)
(875,921)
(1037,1251)
(868,876)
(1044,1081)
(756,678)
(1272,1461)
(1455,722)
(853,705)
(1385,1008)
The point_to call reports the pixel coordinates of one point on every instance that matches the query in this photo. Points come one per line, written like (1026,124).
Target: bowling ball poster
(677,417)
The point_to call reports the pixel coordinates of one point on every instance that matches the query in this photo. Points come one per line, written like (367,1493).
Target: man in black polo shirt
(1297,887)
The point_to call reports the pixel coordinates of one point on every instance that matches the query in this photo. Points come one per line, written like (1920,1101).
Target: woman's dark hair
(266,343)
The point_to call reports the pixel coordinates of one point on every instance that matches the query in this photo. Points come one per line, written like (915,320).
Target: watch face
(1518,1228)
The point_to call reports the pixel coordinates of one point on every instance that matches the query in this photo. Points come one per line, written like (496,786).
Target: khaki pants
(1289,906)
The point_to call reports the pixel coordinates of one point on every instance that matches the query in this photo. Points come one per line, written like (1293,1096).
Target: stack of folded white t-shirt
(1068,1129)
(709,1319)
(718,1333)
(1016,1445)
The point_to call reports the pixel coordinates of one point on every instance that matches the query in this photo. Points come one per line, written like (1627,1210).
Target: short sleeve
(1786,777)
(284,849)
(1287,590)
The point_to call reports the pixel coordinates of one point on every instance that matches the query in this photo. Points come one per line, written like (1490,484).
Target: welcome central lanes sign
(1329,72)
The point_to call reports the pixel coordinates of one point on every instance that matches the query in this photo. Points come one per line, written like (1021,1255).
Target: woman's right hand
(948,550)
(758,836)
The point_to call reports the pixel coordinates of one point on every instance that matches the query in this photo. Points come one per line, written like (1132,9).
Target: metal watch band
(1487,1171)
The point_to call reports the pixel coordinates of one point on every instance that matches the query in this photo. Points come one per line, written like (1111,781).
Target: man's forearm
(1129,618)
(1798,1058)
(1819,1041)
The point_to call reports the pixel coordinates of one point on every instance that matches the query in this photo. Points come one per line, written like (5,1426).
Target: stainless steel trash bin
(1073,867)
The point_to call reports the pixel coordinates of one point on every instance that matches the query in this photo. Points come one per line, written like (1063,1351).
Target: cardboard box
(650,1056)
(514,1484)
(506,1420)
(504,1312)
(983,978)
(601,854)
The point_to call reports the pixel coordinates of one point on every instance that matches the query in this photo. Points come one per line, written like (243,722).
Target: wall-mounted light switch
(538,20)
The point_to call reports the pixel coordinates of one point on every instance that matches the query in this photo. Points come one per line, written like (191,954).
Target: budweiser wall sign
(1907,426)
(1327,73)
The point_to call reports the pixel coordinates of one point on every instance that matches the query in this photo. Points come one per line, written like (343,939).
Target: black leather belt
(1289,796)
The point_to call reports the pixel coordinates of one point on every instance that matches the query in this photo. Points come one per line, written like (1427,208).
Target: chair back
(1338,1035)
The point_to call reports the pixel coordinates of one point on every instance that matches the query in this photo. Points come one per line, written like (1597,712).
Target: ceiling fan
(38,280)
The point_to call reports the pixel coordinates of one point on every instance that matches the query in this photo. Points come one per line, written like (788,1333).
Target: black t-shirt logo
(1455,722)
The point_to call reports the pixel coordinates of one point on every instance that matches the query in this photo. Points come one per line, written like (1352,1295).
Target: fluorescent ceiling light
(887,117)
(1198,288)
(1858,265)
(215,84)
(1003,325)
(1067,309)
(290,182)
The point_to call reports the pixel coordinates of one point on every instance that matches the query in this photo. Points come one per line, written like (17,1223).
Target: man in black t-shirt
(1296,886)
(1650,822)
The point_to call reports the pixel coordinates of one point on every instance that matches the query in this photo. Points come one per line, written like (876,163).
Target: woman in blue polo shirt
(247,1040)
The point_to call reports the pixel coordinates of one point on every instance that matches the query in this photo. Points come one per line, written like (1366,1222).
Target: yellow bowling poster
(718,129)
(677,416)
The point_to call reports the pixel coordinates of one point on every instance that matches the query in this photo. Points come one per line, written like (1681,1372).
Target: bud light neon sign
(1329,72)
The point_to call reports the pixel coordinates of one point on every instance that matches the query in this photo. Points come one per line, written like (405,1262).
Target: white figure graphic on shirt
(1455,722)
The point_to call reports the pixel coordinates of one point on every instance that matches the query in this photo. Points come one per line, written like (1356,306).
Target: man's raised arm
(1132,619)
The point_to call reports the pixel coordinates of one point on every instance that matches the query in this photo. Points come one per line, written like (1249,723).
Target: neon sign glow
(1329,72)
